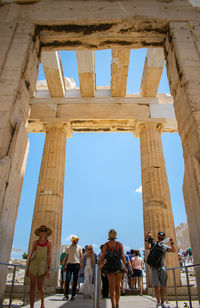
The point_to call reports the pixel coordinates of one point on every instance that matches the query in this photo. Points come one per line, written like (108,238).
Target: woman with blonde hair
(89,261)
(38,265)
(114,266)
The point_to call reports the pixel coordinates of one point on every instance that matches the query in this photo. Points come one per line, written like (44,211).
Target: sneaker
(65,298)
(72,298)
(163,305)
(158,305)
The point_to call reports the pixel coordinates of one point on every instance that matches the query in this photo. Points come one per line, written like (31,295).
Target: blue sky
(102,172)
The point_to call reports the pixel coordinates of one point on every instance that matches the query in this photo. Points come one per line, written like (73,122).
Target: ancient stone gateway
(34,30)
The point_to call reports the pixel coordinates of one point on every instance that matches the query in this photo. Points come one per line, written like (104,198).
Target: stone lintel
(102,113)
(26,1)
(102,94)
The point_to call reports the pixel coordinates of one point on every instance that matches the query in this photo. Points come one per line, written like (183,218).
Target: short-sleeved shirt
(74,253)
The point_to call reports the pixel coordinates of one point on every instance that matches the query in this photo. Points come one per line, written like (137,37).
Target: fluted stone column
(49,199)
(19,58)
(182,51)
(157,210)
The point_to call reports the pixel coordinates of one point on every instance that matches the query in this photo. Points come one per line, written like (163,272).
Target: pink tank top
(42,245)
(137,263)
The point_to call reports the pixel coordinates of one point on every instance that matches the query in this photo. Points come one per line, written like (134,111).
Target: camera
(148,238)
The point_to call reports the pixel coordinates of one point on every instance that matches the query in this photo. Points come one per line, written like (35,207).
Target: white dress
(87,287)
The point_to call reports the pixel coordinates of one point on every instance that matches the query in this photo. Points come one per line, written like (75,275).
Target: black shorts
(137,273)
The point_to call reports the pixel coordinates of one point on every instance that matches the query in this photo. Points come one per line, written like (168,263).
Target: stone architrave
(157,210)
(49,198)
(182,51)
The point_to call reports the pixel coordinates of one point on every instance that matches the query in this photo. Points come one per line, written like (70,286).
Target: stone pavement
(80,302)
(135,301)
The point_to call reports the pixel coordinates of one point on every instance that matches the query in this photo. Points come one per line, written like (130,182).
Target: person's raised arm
(148,241)
(172,246)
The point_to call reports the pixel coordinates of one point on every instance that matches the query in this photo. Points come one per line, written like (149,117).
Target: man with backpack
(156,259)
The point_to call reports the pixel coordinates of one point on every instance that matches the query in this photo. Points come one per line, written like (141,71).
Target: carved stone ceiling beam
(54,74)
(119,71)
(152,72)
(86,72)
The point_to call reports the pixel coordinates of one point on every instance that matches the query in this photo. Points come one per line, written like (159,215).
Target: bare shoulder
(120,245)
(104,248)
(49,243)
(35,243)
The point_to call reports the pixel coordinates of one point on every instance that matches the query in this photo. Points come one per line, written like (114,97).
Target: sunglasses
(43,230)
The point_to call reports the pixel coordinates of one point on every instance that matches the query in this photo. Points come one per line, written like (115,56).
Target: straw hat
(112,234)
(75,238)
(43,227)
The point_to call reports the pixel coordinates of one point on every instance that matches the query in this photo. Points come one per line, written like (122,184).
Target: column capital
(66,128)
(141,126)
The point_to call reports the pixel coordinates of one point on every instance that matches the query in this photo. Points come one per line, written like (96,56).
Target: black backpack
(113,258)
(155,256)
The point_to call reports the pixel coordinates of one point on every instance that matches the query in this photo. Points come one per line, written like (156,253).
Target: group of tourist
(185,256)
(112,261)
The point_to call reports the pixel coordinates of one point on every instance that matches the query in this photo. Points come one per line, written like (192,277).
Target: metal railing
(24,283)
(13,282)
(97,283)
(188,285)
(97,287)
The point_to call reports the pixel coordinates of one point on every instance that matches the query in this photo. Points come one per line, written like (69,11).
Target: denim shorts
(137,273)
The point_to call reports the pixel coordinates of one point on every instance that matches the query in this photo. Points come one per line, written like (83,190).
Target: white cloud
(69,237)
(139,190)
(16,250)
